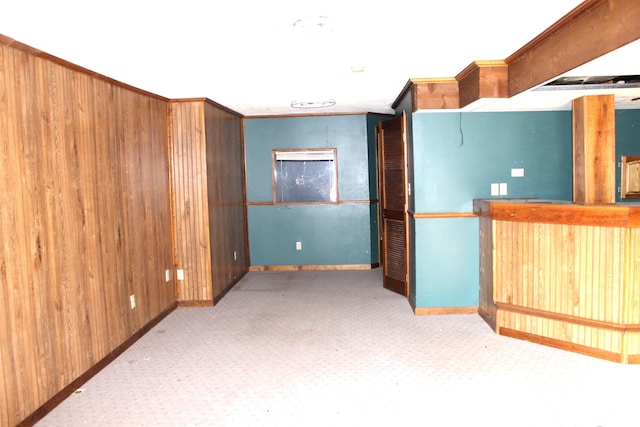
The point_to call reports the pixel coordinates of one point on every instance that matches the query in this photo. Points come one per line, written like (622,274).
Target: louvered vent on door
(394,249)
(393,169)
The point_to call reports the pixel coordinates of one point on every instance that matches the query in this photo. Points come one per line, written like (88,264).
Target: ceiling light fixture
(313,24)
(314,104)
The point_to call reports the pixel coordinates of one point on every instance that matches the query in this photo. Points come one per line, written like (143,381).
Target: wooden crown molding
(434,93)
(207,101)
(483,79)
(592,29)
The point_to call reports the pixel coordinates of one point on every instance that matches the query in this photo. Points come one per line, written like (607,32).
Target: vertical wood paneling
(191,204)
(226,198)
(581,272)
(84,222)
(209,194)
(568,269)
(631,297)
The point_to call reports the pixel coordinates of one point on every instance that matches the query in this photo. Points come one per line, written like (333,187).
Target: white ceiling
(251,56)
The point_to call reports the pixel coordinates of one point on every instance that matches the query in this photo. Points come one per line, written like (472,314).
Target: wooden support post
(594,154)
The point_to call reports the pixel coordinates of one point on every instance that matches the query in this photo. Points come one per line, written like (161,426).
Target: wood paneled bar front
(562,274)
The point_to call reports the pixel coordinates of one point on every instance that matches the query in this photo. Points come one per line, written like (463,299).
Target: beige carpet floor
(336,349)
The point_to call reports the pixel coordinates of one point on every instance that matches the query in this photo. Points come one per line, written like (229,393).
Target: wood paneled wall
(191,206)
(228,226)
(572,286)
(487,306)
(209,194)
(84,222)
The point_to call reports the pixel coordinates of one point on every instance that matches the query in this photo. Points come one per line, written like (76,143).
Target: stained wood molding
(432,215)
(203,303)
(339,202)
(435,94)
(592,29)
(599,324)
(564,345)
(313,267)
(280,116)
(483,79)
(603,215)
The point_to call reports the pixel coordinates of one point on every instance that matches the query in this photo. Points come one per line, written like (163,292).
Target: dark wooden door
(393,204)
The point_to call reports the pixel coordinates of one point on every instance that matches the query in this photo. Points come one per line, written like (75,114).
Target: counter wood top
(625,215)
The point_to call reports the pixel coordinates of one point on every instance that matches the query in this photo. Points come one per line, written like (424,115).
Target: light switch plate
(517,172)
(180,274)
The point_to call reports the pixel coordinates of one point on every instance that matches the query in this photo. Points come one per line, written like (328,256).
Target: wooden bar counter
(562,274)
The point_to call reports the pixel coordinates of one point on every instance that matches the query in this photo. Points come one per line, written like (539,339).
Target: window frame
(302,151)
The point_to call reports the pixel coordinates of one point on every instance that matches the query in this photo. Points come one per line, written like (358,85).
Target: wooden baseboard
(327,267)
(196,303)
(563,345)
(231,285)
(633,359)
(210,303)
(429,311)
(617,327)
(48,406)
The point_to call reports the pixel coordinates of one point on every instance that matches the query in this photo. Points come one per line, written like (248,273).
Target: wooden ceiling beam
(435,94)
(483,79)
(593,29)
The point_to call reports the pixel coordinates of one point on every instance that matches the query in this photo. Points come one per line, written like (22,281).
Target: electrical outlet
(180,274)
(132,298)
(495,189)
(235,256)
(503,189)
(298,246)
(167,275)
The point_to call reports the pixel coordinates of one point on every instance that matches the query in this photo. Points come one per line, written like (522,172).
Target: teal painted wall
(345,233)
(627,140)
(330,234)
(447,262)
(346,133)
(456,157)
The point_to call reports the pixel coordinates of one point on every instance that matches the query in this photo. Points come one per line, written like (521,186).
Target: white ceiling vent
(593,82)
